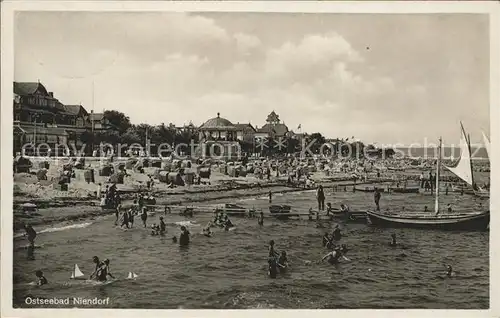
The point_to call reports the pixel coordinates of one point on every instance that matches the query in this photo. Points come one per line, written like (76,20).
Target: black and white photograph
(248,158)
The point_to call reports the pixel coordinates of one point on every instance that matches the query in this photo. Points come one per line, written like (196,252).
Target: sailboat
(132,275)
(463,168)
(77,273)
(426,220)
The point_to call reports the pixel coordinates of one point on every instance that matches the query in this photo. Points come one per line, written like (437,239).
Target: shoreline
(80,212)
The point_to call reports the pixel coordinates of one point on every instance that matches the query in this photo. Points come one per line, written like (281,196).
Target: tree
(389,152)
(118,119)
(318,141)
(131,136)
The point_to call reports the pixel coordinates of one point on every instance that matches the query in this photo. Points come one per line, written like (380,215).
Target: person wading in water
(376,196)
(144,216)
(320,196)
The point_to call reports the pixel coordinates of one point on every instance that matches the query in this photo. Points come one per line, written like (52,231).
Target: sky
(384,78)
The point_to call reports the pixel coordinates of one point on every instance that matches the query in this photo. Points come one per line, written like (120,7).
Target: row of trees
(124,132)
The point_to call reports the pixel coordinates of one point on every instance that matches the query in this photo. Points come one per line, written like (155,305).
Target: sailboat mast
(470,161)
(438,175)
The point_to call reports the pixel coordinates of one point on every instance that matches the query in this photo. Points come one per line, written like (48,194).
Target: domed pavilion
(218,137)
(218,129)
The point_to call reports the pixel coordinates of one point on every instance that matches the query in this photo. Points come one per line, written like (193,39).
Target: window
(17,116)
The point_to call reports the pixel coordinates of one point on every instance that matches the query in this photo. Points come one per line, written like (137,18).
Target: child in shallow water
(41,279)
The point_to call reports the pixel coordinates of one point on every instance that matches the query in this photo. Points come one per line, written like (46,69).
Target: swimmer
(154,229)
(41,279)
(207,232)
(334,256)
(283,261)
(344,249)
(449,271)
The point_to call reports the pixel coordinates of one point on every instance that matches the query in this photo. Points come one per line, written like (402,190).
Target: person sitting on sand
(41,279)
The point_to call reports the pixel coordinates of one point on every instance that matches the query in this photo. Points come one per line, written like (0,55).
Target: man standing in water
(376,196)
(320,196)
(163,226)
(260,220)
(31,234)
(144,216)
(184,237)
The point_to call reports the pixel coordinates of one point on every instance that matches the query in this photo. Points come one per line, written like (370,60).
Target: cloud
(176,67)
(246,42)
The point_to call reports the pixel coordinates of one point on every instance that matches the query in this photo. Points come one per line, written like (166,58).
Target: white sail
(463,168)
(132,275)
(77,273)
(486,143)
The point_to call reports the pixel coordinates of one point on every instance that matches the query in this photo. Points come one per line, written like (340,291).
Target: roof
(28,88)
(218,123)
(96,116)
(243,126)
(279,129)
(44,130)
(74,109)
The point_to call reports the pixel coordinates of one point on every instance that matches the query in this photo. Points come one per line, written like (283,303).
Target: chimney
(51,94)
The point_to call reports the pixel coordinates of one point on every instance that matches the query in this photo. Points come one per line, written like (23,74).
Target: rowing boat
(471,222)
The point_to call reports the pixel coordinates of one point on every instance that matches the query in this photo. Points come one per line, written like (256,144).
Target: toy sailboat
(132,275)
(77,273)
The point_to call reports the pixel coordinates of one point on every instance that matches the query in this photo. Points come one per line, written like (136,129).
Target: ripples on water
(228,270)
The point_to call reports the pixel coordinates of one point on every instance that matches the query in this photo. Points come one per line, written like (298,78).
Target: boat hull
(404,190)
(475,222)
(367,189)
